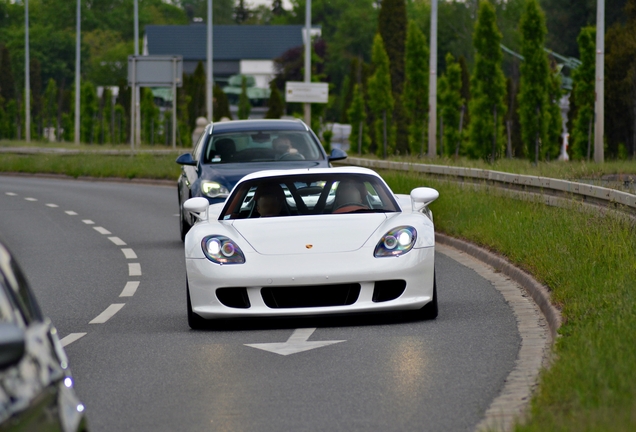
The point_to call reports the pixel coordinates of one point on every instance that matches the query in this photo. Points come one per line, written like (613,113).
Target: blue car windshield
(262,146)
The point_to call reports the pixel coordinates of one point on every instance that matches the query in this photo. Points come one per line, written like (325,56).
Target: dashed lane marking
(88,222)
(102,230)
(11,193)
(107,314)
(129,253)
(117,241)
(129,289)
(69,339)
(31,199)
(52,205)
(70,213)
(134,269)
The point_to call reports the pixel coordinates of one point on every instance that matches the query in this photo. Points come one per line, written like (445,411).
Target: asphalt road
(144,369)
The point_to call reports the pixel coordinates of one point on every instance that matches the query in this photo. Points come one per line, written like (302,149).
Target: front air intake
(388,290)
(310,296)
(233,297)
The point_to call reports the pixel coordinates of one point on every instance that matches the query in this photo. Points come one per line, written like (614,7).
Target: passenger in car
(270,200)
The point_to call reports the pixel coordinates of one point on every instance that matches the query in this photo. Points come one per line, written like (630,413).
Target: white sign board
(306,92)
(155,71)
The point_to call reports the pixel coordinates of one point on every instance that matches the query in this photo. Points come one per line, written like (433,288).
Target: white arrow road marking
(107,314)
(69,339)
(296,343)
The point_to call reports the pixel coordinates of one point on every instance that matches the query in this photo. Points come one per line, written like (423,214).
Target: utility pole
(77,72)
(307,106)
(136,89)
(27,80)
(210,75)
(599,85)
(432,85)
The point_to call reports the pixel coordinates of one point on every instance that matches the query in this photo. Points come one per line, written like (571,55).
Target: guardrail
(554,188)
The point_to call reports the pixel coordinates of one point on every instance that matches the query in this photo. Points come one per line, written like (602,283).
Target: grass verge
(589,262)
(139,165)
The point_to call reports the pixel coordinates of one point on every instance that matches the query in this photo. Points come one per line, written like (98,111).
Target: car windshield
(260,146)
(310,194)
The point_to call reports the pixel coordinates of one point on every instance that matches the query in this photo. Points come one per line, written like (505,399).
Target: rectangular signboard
(306,92)
(156,71)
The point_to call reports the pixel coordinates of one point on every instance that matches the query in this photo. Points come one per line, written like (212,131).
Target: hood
(229,174)
(309,234)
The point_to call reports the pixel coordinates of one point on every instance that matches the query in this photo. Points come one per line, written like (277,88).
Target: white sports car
(309,242)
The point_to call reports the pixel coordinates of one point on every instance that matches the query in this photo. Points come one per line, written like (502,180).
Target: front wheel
(429,311)
(194,321)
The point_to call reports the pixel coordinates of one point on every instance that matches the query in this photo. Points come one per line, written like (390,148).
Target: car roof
(304,171)
(258,125)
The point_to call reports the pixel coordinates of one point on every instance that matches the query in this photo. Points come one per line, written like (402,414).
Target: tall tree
(194,85)
(415,96)
(620,90)
(7,83)
(221,104)
(242,13)
(381,99)
(450,103)
(534,112)
(488,87)
(244,106)
(50,106)
(88,106)
(359,139)
(392,25)
(276,105)
(584,77)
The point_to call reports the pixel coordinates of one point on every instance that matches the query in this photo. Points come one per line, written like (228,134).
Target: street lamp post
(432,85)
(27,80)
(599,84)
(308,58)
(210,75)
(77,73)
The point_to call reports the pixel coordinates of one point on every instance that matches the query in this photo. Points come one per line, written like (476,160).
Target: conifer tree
(276,106)
(488,87)
(50,104)
(450,103)
(7,83)
(581,136)
(149,117)
(244,106)
(534,110)
(381,99)
(359,139)
(221,104)
(552,149)
(88,107)
(415,96)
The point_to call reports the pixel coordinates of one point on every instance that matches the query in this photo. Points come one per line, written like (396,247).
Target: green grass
(589,263)
(140,165)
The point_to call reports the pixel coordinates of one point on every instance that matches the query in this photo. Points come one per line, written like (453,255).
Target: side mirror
(337,154)
(186,159)
(12,345)
(198,207)
(423,196)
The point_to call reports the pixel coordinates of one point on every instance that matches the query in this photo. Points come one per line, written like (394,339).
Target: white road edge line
(129,289)
(134,269)
(117,241)
(69,339)
(108,313)
(129,253)
(102,230)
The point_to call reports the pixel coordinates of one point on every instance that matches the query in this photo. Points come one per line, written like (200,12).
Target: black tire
(184,226)
(194,321)
(430,310)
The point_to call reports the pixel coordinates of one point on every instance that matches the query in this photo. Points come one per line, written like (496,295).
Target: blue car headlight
(396,242)
(222,250)
(213,189)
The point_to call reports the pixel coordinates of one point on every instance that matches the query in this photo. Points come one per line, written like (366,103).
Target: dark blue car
(227,151)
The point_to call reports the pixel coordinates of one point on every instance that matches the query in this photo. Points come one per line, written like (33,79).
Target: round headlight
(404,237)
(390,242)
(228,249)
(213,246)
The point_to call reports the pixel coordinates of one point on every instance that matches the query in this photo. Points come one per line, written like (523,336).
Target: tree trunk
(461,125)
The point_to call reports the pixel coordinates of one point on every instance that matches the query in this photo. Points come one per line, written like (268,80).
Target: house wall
(263,71)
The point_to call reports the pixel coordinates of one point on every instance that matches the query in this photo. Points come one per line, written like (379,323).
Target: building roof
(230,42)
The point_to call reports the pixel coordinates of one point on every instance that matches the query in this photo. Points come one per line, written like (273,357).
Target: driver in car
(283,149)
